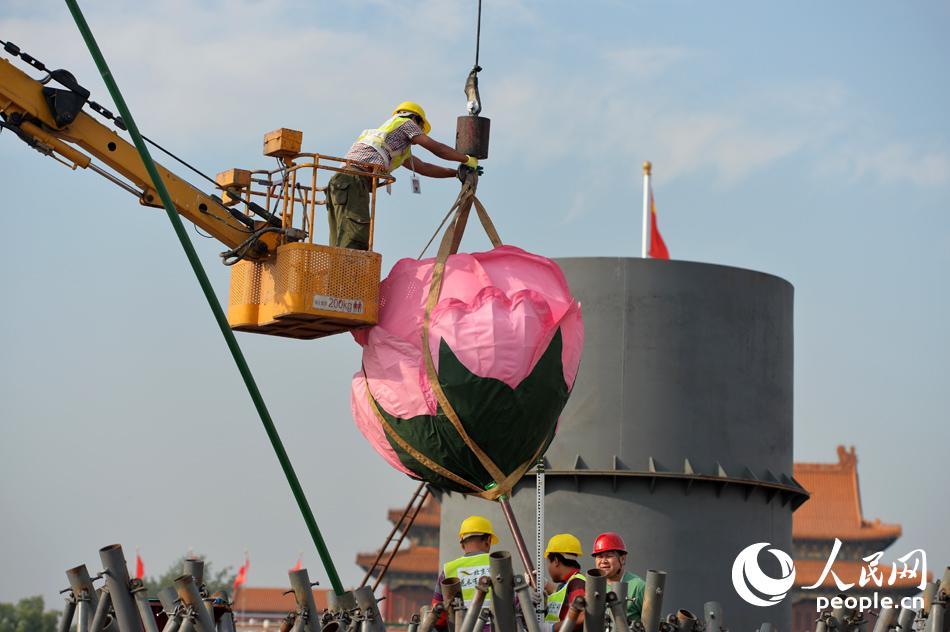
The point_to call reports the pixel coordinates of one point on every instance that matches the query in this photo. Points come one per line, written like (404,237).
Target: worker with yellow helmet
(387,147)
(562,553)
(476,537)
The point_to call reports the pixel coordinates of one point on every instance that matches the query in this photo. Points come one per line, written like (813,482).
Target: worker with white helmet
(387,147)
(562,553)
(476,537)
(610,556)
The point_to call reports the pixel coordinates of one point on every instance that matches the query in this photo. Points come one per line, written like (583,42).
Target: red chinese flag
(242,573)
(299,564)
(139,566)
(657,245)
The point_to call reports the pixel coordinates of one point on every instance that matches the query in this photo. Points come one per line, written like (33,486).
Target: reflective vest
(556,600)
(469,569)
(376,138)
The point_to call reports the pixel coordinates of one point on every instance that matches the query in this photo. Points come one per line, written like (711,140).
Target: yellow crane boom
(26,111)
(282,283)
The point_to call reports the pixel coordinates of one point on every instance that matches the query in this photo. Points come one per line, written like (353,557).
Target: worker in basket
(389,147)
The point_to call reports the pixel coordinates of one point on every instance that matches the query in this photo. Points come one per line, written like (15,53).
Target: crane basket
(304,290)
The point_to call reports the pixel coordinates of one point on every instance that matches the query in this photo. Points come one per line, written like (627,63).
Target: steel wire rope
(478,32)
(213,303)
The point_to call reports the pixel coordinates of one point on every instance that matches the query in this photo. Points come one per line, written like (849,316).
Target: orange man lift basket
(303,290)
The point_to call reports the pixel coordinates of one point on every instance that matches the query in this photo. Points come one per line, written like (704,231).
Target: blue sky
(807,140)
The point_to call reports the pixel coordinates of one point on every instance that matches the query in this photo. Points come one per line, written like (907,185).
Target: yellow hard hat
(476,525)
(415,108)
(564,543)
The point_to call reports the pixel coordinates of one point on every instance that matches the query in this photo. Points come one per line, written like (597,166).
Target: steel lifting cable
(208,290)
(15,50)
(478,32)
(474,105)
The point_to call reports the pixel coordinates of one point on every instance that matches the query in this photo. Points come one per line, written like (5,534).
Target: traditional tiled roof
(415,560)
(265,600)
(834,510)
(429,515)
(807,573)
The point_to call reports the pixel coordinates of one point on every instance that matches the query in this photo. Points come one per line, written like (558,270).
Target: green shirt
(635,587)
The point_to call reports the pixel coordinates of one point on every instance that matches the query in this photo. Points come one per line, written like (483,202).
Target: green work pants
(348,211)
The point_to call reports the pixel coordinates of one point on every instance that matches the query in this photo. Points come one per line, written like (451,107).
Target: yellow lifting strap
(449,246)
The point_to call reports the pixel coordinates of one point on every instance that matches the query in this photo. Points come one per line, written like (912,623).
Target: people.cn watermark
(757,588)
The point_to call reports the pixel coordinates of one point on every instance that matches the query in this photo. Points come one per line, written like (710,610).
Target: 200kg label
(334,304)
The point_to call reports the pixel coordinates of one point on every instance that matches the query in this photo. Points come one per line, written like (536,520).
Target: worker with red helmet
(610,557)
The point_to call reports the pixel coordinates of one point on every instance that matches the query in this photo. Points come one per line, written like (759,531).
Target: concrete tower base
(678,434)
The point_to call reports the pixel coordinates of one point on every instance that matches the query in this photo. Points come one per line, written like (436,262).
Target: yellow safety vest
(376,138)
(469,569)
(556,600)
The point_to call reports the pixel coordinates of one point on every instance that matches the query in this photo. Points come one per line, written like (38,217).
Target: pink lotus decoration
(506,338)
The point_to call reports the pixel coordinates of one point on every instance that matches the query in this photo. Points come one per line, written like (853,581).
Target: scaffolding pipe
(168,597)
(341,603)
(366,600)
(570,621)
(226,622)
(187,624)
(502,587)
(191,598)
(66,621)
(595,593)
(905,620)
(145,610)
(938,611)
(653,600)
(519,540)
(173,624)
(82,612)
(117,581)
(930,591)
(303,595)
(842,615)
(413,623)
(886,619)
(196,568)
(485,618)
(102,611)
(618,609)
(686,621)
(429,616)
(523,591)
(712,614)
(475,608)
(766,627)
(451,597)
(79,581)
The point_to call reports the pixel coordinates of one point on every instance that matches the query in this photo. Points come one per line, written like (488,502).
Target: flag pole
(646,208)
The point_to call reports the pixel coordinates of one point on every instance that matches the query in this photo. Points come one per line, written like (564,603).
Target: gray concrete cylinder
(678,433)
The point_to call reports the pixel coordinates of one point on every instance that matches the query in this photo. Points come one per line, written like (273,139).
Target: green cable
(209,294)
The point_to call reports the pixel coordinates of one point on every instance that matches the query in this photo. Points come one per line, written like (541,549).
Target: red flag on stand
(657,245)
(139,566)
(299,563)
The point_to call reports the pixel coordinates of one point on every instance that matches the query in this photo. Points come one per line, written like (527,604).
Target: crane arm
(77,138)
